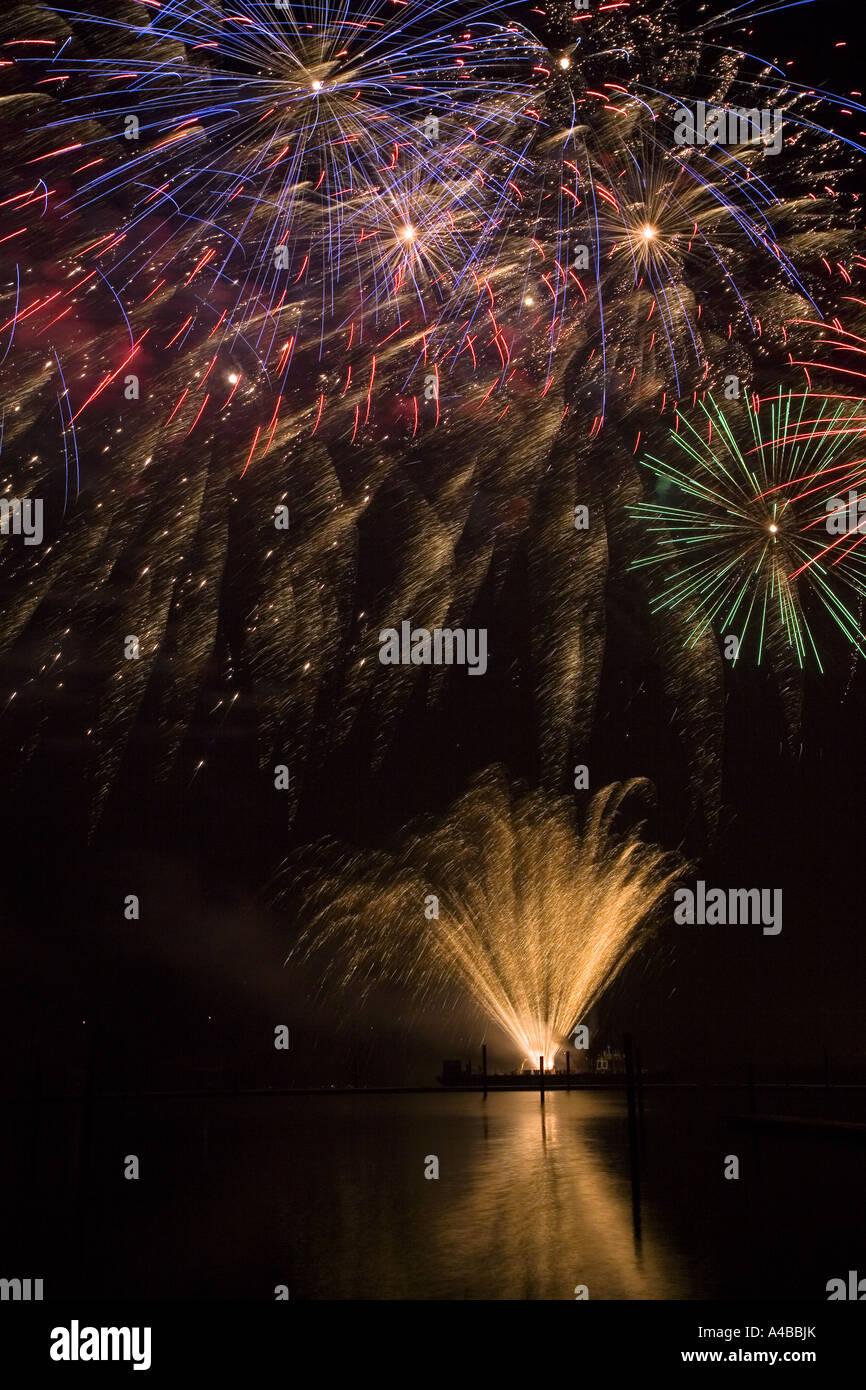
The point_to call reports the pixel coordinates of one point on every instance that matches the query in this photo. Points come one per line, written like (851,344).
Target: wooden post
(567,1070)
(87,1103)
(541,1077)
(639,1069)
(484,1067)
(85,1152)
(631,1096)
(35,1102)
(631,1084)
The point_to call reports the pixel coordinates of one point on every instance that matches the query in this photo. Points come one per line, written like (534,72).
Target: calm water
(327,1195)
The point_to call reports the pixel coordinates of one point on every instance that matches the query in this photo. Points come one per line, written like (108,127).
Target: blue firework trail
(306,152)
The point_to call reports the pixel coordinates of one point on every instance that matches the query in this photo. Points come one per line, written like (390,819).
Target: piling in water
(639,1070)
(634,1162)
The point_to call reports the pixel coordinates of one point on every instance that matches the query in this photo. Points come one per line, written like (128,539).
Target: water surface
(327,1195)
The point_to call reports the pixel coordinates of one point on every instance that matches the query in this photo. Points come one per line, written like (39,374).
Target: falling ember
(535,917)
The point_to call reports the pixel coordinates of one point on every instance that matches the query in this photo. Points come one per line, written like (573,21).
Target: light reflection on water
(327,1195)
(530,1203)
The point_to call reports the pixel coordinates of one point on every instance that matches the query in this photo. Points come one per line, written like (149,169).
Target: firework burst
(285,155)
(534,919)
(745,497)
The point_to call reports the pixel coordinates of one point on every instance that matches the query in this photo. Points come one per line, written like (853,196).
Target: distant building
(607,1060)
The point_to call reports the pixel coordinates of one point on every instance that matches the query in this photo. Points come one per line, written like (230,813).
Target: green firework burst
(754,525)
